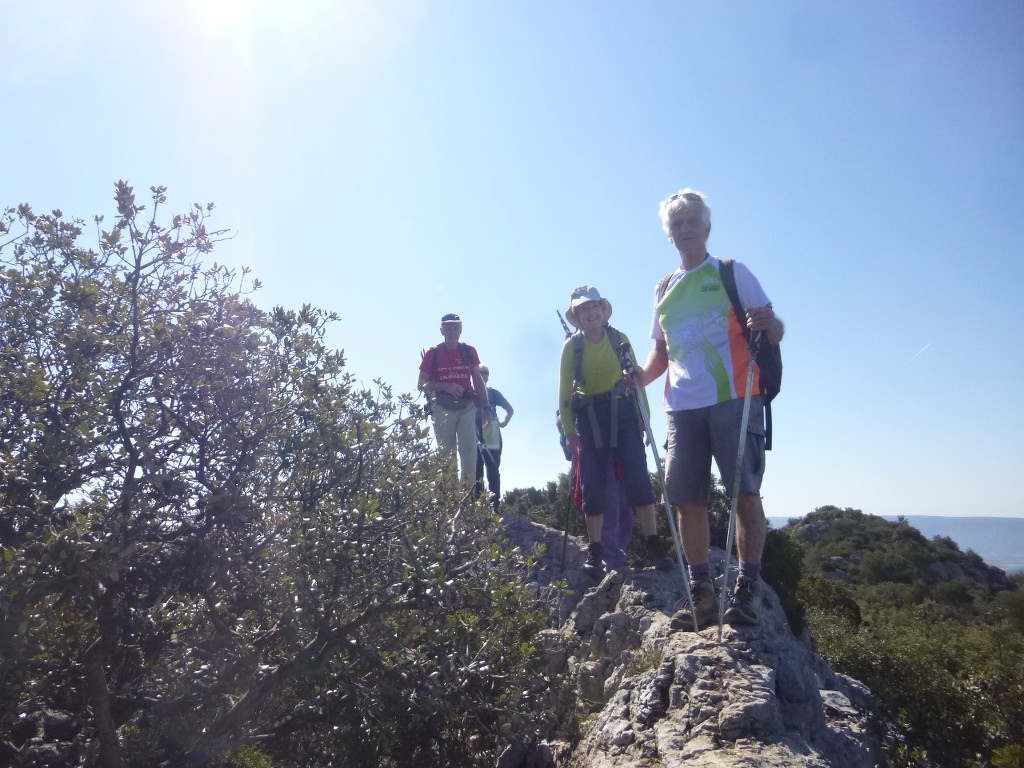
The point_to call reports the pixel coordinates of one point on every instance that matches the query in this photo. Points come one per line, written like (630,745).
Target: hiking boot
(745,606)
(593,566)
(705,606)
(656,554)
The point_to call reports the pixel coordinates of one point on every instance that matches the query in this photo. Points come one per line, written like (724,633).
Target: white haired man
(699,340)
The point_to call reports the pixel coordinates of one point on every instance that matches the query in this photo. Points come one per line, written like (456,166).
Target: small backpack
(582,402)
(769,356)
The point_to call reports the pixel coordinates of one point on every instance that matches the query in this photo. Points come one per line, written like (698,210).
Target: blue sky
(394,160)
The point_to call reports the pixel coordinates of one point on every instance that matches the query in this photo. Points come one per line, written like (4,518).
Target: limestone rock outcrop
(654,697)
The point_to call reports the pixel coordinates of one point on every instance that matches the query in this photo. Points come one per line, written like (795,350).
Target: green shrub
(1011,756)
(782,566)
(211,534)
(1011,603)
(827,597)
(954,692)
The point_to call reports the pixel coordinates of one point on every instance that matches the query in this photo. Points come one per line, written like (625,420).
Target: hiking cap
(581,295)
(451,317)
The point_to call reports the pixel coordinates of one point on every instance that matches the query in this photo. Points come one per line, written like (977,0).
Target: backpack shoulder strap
(614,337)
(728,275)
(463,350)
(577,356)
(729,281)
(663,285)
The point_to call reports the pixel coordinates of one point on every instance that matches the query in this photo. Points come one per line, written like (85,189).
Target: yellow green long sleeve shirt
(602,370)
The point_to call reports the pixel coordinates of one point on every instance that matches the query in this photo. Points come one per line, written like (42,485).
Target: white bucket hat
(582,295)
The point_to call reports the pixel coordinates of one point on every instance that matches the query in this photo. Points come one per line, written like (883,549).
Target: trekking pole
(565,325)
(568,506)
(572,465)
(626,359)
(755,340)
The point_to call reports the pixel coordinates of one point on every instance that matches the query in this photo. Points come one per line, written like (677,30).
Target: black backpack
(769,356)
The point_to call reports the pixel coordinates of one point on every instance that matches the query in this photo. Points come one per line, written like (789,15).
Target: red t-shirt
(451,365)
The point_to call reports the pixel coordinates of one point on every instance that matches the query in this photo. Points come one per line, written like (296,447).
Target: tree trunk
(99,697)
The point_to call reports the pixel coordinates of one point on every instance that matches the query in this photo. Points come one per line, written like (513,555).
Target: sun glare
(294,36)
(222,17)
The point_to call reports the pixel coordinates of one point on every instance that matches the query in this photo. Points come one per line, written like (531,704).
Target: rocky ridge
(658,697)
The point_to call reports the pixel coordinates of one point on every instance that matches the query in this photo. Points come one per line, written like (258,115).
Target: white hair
(684,198)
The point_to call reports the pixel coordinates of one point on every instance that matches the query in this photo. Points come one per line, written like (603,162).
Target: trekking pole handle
(626,359)
(755,341)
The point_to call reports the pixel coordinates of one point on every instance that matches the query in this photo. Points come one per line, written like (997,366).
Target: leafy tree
(551,506)
(216,548)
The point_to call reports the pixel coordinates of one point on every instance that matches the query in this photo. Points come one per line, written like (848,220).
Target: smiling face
(590,317)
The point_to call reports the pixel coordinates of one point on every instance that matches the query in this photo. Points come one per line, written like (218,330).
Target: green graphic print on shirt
(694,316)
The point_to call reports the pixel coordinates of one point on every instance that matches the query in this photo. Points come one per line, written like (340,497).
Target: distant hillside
(999,541)
(934,631)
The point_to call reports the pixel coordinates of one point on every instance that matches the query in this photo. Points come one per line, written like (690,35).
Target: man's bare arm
(480,390)
(655,365)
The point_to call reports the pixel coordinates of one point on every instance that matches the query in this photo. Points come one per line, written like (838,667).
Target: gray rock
(659,698)
(946,571)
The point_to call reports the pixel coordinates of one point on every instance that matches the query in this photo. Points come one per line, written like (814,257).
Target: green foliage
(643,661)
(1011,756)
(782,567)
(955,692)
(247,757)
(551,506)
(554,507)
(718,509)
(213,539)
(1011,603)
(944,657)
(826,597)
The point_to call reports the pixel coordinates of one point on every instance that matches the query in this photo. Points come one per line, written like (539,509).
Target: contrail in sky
(918,353)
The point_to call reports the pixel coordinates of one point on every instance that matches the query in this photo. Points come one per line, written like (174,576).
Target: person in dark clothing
(490,442)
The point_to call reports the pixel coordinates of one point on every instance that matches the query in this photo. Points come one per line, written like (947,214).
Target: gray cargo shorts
(695,436)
